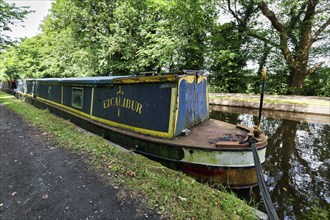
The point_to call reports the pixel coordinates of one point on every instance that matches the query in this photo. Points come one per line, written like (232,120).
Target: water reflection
(297,166)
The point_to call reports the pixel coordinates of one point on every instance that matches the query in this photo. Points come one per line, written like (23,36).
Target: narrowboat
(163,117)
(8,86)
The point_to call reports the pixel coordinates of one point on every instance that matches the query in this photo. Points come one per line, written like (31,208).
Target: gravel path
(39,180)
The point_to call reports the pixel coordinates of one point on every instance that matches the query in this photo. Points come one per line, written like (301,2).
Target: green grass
(172,194)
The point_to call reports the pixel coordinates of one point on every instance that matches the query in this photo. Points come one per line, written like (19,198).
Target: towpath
(299,104)
(39,180)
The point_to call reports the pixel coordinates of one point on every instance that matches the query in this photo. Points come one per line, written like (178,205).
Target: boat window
(77,97)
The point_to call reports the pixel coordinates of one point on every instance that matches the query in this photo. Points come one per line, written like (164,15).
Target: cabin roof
(108,80)
(83,80)
(97,80)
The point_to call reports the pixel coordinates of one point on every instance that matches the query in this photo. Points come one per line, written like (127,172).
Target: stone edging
(302,108)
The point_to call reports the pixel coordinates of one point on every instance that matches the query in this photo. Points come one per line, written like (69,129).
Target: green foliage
(23,60)
(120,37)
(318,213)
(296,33)
(318,83)
(85,38)
(9,14)
(277,76)
(228,60)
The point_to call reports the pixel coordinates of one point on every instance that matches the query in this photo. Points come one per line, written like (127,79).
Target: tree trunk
(297,57)
(297,80)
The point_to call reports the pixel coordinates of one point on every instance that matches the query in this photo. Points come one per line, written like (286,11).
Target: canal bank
(296,104)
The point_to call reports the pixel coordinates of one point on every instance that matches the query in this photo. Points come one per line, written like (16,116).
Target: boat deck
(211,134)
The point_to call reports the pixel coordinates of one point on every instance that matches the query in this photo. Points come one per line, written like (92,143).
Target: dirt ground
(39,180)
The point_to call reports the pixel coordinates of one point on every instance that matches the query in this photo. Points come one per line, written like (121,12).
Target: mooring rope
(262,185)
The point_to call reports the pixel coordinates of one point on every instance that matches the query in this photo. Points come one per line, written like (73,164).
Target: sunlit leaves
(118,37)
(9,14)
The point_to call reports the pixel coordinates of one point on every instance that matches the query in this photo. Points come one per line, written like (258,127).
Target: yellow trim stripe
(201,78)
(132,79)
(108,122)
(92,103)
(63,106)
(62,95)
(24,94)
(190,79)
(172,122)
(146,79)
(177,104)
(207,96)
(132,128)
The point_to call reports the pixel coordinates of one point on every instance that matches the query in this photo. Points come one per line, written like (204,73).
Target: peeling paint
(222,158)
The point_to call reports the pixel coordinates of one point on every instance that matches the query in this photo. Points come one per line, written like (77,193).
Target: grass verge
(172,194)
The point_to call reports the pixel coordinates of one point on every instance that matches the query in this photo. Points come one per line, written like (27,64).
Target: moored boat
(164,117)
(8,86)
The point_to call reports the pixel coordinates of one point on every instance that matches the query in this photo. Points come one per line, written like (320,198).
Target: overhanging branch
(321,29)
(272,17)
(234,14)
(262,38)
(294,21)
(315,67)
(281,29)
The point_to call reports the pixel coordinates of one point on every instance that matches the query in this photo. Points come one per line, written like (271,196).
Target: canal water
(297,166)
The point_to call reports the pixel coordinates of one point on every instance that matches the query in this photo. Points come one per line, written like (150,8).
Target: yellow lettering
(139,108)
(111,102)
(106,103)
(133,106)
(117,102)
(124,103)
(128,103)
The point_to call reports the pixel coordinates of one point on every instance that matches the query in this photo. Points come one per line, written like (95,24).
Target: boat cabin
(160,105)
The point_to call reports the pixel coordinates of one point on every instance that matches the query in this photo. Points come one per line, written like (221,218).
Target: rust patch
(232,177)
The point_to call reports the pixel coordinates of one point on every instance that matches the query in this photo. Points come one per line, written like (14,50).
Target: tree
(178,36)
(306,25)
(231,49)
(9,14)
(127,36)
(228,60)
(318,82)
(24,59)
(86,38)
(299,26)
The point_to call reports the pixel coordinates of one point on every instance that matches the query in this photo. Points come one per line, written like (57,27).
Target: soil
(40,180)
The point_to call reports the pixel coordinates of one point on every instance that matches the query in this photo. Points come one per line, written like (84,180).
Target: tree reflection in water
(297,167)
